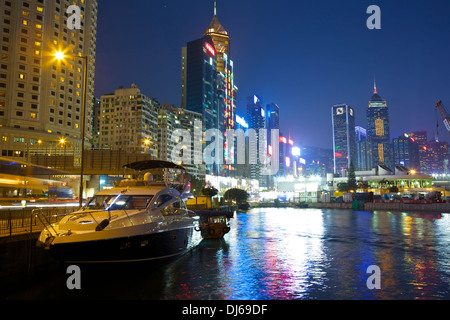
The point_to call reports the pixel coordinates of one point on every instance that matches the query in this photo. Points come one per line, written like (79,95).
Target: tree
(363,185)
(393,189)
(209,191)
(351,177)
(238,195)
(343,187)
(197,185)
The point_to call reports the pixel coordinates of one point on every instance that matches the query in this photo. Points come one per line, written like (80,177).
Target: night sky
(304,56)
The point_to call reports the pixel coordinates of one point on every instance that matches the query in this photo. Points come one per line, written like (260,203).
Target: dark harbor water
(281,254)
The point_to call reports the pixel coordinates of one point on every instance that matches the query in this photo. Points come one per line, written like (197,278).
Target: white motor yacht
(142,218)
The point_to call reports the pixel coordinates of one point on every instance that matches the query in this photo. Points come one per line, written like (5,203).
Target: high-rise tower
(207,83)
(343,120)
(378,131)
(41,98)
(225,66)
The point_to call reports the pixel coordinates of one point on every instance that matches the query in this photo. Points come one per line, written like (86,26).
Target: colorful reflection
(285,254)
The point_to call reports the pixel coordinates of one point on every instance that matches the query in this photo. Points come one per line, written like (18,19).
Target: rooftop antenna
(215,8)
(374,86)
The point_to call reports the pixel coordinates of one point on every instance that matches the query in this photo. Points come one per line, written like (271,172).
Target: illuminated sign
(291,142)
(288,162)
(295,151)
(263,113)
(302,161)
(241,121)
(283,139)
(269,150)
(210,49)
(338,155)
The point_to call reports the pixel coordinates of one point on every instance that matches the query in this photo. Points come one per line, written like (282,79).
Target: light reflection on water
(319,254)
(280,254)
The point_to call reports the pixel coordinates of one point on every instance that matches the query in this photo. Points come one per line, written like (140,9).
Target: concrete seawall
(20,257)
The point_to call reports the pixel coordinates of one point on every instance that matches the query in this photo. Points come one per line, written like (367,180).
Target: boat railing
(45,220)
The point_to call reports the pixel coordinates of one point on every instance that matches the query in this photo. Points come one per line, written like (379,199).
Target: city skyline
(333,61)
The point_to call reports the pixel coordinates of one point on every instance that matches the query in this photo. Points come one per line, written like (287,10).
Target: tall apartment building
(128,122)
(41,98)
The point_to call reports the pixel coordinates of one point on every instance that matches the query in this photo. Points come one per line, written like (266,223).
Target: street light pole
(83,126)
(60,56)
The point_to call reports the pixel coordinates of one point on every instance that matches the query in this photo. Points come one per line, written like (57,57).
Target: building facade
(344,144)
(421,138)
(129,121)
(170,119)
(41,98)
(435,157)
(363,150)
(406,152)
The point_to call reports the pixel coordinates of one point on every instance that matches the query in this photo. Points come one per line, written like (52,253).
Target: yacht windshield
(118,202)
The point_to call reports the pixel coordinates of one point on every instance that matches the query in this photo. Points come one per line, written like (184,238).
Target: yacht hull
(145,247)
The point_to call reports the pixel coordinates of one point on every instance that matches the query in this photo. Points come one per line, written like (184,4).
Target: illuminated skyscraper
(378,131)
(202,87)
(344,144)
(225,66)
(363,150)
(256,117)
(406,152)
(199,78)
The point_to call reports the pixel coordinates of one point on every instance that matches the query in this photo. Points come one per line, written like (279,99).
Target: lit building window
(381,152)
(379,127)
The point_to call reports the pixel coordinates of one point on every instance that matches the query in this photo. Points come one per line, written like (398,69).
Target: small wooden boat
(214,224)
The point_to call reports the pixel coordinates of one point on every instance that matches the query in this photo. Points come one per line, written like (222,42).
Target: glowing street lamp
(60,56)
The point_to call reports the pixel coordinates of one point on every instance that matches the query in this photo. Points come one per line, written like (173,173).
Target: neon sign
(210,49)
(241,121)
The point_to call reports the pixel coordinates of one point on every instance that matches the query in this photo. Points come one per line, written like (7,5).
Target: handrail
(39,214)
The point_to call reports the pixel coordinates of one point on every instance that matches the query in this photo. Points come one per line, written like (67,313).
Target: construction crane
(444,116)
